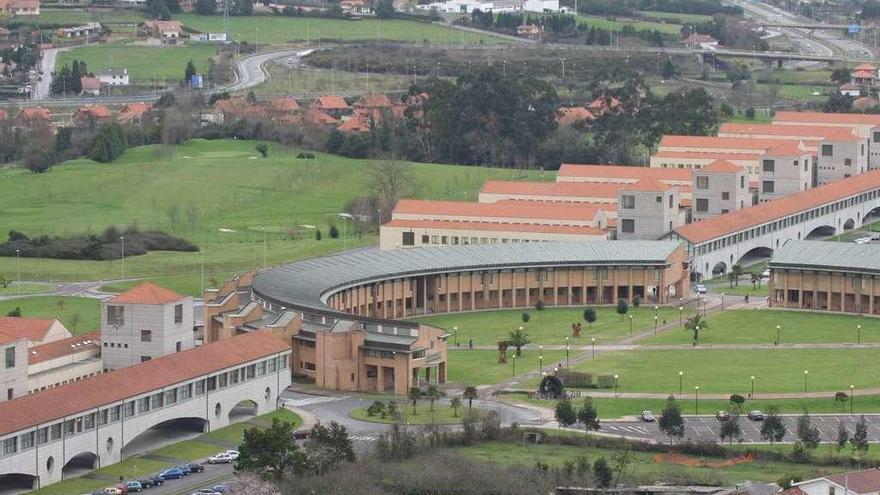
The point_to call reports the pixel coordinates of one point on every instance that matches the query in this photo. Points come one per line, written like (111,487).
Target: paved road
(707,428)
(47,66)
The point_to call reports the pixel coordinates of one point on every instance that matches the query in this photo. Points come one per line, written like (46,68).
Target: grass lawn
(196,189)
(441,415)
(167,62)
(78,314)
(854,234)
(819,77)
(610,408)
(25,288)
(78,16)
(481,367)
(754,326)
(285,80)
(728,372)
(644,467)
(676,17)
(549,326)
(744,287)
(608,24)
(795,92)
(278,29)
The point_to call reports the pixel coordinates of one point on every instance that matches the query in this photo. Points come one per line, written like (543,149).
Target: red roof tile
(739,220)
(865,481)
(94,111)
(109,388)
(373,100)
(35,113)
(717,143)
(558,189)
(711,155)
(284,104)
(147,293)
(722,166)
(358,122)
(330,103)
(8,338)
(496,227)
(567,116)
(805,132)
(317,117)
(647,185)
(826,118)
(624,172)
(133,111)
(786,149)
(532,210)
(64,347)
(32,329)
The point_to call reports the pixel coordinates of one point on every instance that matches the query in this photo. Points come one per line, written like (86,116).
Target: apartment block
(720,188)
(647,210)
(786,169)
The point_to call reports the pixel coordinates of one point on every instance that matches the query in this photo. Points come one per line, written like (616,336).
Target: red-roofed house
(719,188)
(36,331)
(3,115)
(373,101)
(360,122)
(32,116)
(572,172)
(864,482)
(569,116)
(864,125)
(316,116)
(91,86)
(703,41)
(91,115)
(334,106)
(20,7)
(864,75)
(134,113)
(603,104)
(64,361)
(648,209)
(144,323)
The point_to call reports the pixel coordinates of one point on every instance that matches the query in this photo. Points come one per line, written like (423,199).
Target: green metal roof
(828,255)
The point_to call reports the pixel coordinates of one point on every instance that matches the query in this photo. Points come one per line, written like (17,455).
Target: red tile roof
(826,118)
(713,155)
(35,113)
(722,166)
(94,111)
(357,123)
(559,189)
(717,143)
(865,66)
(624,172)
(8,338)
(90,83)
(32,329)
(647,185)
(317,117)
(739,220)
(497,227)
(64,347)
(373,100)
(331,103)
(567,116)
(284,104)
(864,74)
(133,111)
(534,210)
(759,130)
(147,293)
(109,388)
(865,481)
(786,149)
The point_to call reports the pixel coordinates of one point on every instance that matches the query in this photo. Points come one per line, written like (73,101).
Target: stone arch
(720,268)
(18,482)
(821,232)
(180,428)
(244,409)
(755,255)
(80,463)
(849,224)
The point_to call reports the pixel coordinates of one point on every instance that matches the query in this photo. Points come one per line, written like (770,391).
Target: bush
(376,408)
(737,399)
(334,232)
(577,379)
(317,234)
(605,381)
(539,305)
(107,246)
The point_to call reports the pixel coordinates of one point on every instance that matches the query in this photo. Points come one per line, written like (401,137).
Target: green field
(441,415)
(795,92)
(284,80)
(601,22)
(744,287)
(549,326)
(262,29)
(676,17)
(79,314)
(729,371)
(481,367)
(165,63)
(79,16)
(14,289)
(196,189)
(753,326)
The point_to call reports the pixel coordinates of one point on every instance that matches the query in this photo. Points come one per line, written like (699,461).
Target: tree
(773,429)
(637,301)
(671,423)
(389,181)
(622,308)
(807,432)
(317,234)
(189,72)
(334,232)
(108,144)
(455,403)
(539,305)
(158,9)
(241,7)
(840,76)
(668,70)
(737,271)
(750,113)
(589,316)
(376,408)
(837,103)
(432,394)
(518,338)
(859,440)
(731,430)
(602,472)
(470,393)
(262,149)
(526,317)
(588,416)
(270,452)
(565,414)
(15,313)
(206,7)
(842,436)
(414,394)
(327,446)
(384,9)
(696,324)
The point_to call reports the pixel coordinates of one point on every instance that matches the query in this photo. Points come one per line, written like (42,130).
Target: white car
(221,458)
(700,288)
(233,454)
(765,274)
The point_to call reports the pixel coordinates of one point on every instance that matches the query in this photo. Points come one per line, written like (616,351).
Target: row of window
(785,222)
(702,181)
(409,239)
(141,405)
(116,315)
(628,201)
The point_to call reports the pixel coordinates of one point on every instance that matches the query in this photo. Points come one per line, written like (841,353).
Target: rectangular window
(282,362)
(670,201)
(768,165)
(847,162)
(628,225)
(171,396)
(10,446)
(223,380)
(212,383)
(742,181)
(27,441)
(55,432)
(629,201)
(157,400)
(103,416)
(128,409)
(143,405)
(273,365)
(42,436)
(251,371)
(185,392)
(178,313)
(233,377)
(827,150)
(144,359)
(702,182)
(409,239)
(876,137)
(200,387)
(443,240)
(146,335)
(435,239)
(767,186)
(725,195)
(702,204)
(115,411)
(116,315)
(90,421)
(309,366)
(10,357)
(261,368)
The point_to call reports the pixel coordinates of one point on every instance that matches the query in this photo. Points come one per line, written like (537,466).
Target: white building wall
(14,378)
(652,219)
(841,159)
(734,184)
(786,174)
(122,345)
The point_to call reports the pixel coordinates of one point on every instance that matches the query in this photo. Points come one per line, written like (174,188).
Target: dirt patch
(684,460)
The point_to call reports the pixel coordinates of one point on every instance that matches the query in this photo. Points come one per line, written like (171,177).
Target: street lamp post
(455,333)
(806,374)
(696,399)
(593,339)
(541,358)
(681,316)
(681,383)
(122,238)
(514,364)
(722,301)
(630,324)
(616,381)
(859,338)
(697,335)
(18,271)
(656,308)
(778,329)
(753,387)
(852,397)
(567,350)
(655,325)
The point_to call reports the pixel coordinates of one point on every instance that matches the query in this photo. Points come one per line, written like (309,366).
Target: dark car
(756,415)
(722,415)
(157,480)
(301,434)
(133,486)
(195,467)
(172,474)
(647,417)
(186,470)
(147,482)
(219,488)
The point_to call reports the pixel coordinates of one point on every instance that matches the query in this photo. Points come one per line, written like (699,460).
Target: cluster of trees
(162,9)
(25,56)
(630,7)
(870,10)
(68,80)
(586,415)
(732,35)
(106,246)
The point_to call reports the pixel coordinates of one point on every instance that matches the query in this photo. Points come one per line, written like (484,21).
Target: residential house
(373,101)
(166,31)
(91,86)
(703,41)
(91,115)
(114,78)
(36,331)
(864,103)
(719,188)
(240,108)
(851,90)
(647,210)
(334,106)
(318,117)
(3,115)
(864,482)
(603,104)
(32,116)
(355,7)
(134,113)
(20,7)
(360,122)
(529,31)
(569,116)
(864,75)
(88,29)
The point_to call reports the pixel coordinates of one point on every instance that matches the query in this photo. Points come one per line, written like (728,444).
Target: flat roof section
(536,210)
(824,255)
(623,172)
(829,118)
(495,227)
(561,189)
(828,132)
(724,143)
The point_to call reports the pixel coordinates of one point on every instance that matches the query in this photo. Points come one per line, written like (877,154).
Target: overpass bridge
(716,244)
(88,424)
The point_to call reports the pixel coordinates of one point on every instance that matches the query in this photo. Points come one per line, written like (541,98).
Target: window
(273,365)
(309,366)
(178,313)
(418,354)
(629,201)
(42,436)
(443,240)
(742,181)
(10,446)
(628,225)
(769,165)
(143,405)
(379,354)
(876,137)
(847,162)
(724,210)
(128,409)
(144,359)
(435,239)
(702,204)
(10,357)
(827,150)
(116,315)
(658,199)
(767,186)
(702,182)
(102,418)
(233,377)
(251,371)
(178,346)
(171,396)
(670,201)
(425,239)
(223,380)
(795,163)
(9,393)
(157,400)
(212,383)
(27,441)
(725,195)
(146,335)
(409,239)
(186,392)
(261,368)
(200,387)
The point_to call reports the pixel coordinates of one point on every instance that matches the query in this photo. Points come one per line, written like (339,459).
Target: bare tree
(172,213)
(390,181)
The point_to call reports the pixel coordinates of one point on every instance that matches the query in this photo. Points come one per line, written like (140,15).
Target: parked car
(722,415)
(765,274)
(147,482)
(206,491)
(186,470)
(700,288)
(862,240)
(172,474)
(112,490)
(157,480)
(756,415)
(221,458)
(875,236)
(219,488)
(647,416)
(301,434)
(195,467)
(122,487)
(233,454)
(133,486)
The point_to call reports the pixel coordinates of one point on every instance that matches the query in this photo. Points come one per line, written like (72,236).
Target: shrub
(334,232)
(376,408)
(577,379)
(605,381)
(737,399)
(107,246)
(317,234)
(539,305)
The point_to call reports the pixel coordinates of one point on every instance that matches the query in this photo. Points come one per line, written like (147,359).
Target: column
(629,281)
(447,292)
(458,281)
(816,290)
(801,291)
(424,294)
(380,379)
(528,287)
(500,289)
(871,297)
(473,303)
(384,301)
(555,287)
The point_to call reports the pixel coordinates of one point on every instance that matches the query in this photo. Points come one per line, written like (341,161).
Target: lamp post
(859,338)
(681,316)
(541,358)
(697,334)
(567,350)
(18,272)
(852,397)
(630,324)
(514,364)
(778,329)
(655,325)
(122,238)
(346,216)
(806,374)
(753,387)
(616,380)
(593,339)
(455,333)
(722,301)
(681,383)
(696,399)
(656,308)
